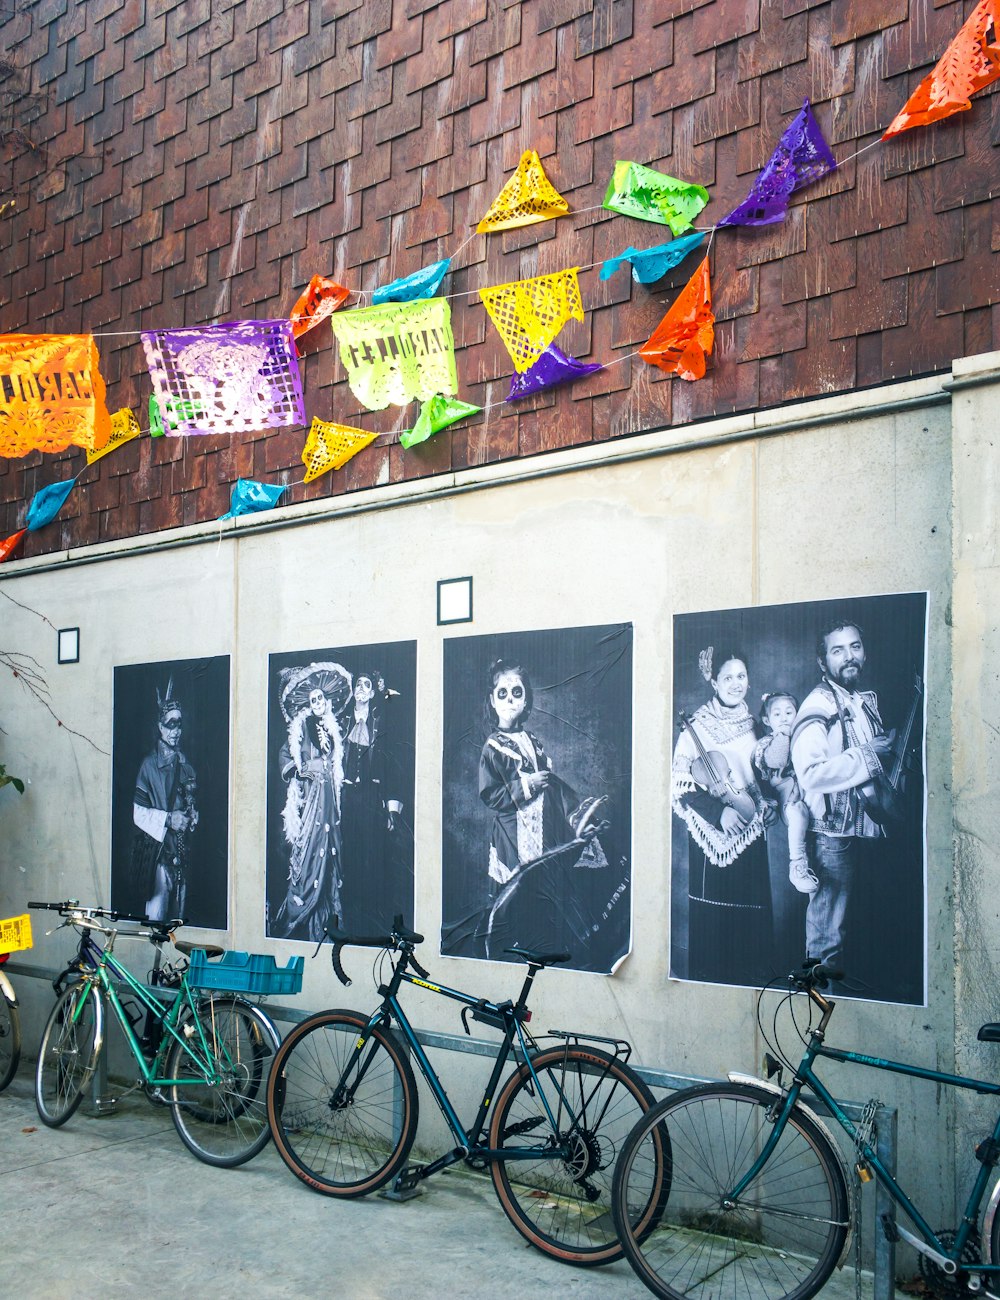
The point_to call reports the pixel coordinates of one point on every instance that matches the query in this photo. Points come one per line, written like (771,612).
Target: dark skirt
(729,919)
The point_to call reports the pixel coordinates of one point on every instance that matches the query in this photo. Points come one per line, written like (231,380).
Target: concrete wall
(886,490)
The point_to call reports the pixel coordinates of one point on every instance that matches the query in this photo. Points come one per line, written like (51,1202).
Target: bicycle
(204,1056)
(15,935)
(343,1107)
(759,1200)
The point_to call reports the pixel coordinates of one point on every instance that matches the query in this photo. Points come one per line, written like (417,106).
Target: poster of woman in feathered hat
(340,790)
(170,791)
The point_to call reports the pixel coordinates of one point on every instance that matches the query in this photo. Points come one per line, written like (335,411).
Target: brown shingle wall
(176,162)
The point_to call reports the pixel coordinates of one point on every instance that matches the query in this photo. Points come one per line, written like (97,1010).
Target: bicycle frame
(104,970)
(805,1076)
(511,1015)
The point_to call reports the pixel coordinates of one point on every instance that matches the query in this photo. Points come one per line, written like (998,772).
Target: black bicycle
(342,1104)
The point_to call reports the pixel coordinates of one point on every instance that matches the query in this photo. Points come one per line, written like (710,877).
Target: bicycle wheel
(784,1235)
(560,1197)
(10,1041)
(222,1117)
(343,1107)
(67,1056)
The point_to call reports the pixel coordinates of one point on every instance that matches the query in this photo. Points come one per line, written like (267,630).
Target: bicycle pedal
(105,1105)
(889,1229)
(405,1186)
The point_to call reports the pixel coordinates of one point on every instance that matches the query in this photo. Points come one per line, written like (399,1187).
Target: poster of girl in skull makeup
(340,780)
(537,795)
(170,791)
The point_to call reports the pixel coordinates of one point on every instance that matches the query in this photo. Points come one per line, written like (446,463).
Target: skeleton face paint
(508,700)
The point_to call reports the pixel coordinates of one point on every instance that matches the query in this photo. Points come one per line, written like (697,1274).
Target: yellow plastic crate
(15,933)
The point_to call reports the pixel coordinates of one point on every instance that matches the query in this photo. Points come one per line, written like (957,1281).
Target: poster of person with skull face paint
(170,791)
(340,783)
(537,795)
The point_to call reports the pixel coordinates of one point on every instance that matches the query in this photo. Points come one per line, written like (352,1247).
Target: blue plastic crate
(245,972)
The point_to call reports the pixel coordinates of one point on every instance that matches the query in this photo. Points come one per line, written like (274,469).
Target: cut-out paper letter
(398,353)
(683,339)
(52,395)
(420,284)
(651,264)
(249,497)
(802,156)
(552,367)
(236,377)
(528,197)
(529,314)
(436,414)
(322,297)
(331,446)
(124,427)
(638,191)
(970,62)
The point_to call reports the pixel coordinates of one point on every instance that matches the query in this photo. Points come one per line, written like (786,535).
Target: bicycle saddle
(209,949)
(540,958)
(989,1033)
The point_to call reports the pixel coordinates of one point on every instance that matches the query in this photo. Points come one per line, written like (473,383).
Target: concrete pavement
(113,1205)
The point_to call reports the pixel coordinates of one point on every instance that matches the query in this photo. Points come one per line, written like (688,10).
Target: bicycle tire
(351,1147)
(563,1206)
(223,1120)
(10,1041)
(782,1240)
(68,1053)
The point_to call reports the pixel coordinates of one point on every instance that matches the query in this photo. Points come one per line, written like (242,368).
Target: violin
(884,798)
(712,772)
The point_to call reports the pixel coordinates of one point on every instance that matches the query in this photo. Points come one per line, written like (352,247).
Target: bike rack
(885,1116)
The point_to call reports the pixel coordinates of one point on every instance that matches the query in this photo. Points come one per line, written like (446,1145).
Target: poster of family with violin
(798,795)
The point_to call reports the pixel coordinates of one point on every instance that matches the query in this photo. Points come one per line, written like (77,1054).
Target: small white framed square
(69,645)
(454,601)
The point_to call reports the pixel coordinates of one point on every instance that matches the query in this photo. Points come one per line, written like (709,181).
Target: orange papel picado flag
(529,314)
(331,446)
(528,196)
(684,338)
(124,427)
(970,62)
(52,395)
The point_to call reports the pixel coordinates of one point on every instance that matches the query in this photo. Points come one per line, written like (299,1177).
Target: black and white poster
(170,791)
(798,795)
(340,778)
(537,795)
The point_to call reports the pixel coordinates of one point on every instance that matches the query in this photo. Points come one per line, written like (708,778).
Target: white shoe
(802,876)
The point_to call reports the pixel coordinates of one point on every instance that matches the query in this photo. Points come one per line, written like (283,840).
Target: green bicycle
(756,1199)
(206,1057)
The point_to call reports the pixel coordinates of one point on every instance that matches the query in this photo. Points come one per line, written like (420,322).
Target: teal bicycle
(204,1056)
(343,1104)
(755,1193)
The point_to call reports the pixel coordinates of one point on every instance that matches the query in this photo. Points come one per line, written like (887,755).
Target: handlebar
(74,913)
(813,975)
(400,939)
